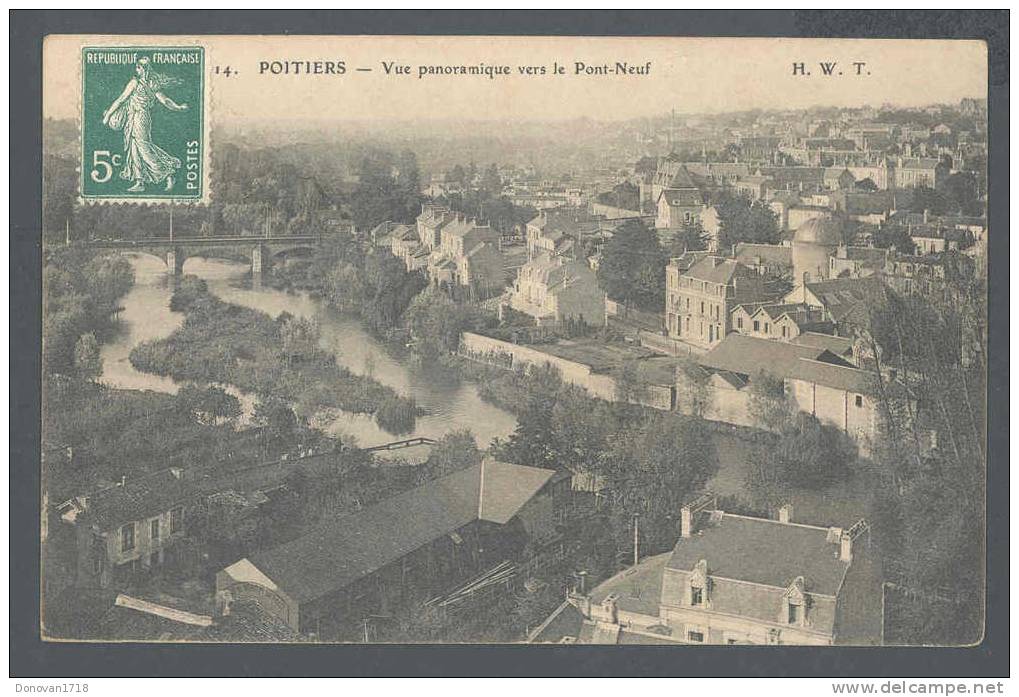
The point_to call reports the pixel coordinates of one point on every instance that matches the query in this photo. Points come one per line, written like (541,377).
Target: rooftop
(746,355)
(340,552)
(716,269)
(763,551)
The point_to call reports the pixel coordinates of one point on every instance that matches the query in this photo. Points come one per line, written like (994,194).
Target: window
(127,538)
(695,636)
(794,614)
(859,400)
(767,327)
(702,307)
(696,596)
(176,520)
(757,326)
(739,322)
(155,530)
(785,332)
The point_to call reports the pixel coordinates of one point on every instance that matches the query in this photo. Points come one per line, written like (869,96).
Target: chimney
(123,480)
(685,522)
(610,608)
(785,513)
(846,547)
(733,250)
(581,582)
(177,472)
(926,214)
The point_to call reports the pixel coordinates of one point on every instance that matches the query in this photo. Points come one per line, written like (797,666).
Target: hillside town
(688,379)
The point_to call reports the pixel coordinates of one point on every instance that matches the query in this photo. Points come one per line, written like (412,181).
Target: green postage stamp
(144,124)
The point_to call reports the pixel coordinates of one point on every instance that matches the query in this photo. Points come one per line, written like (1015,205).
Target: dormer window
(699,584)
(794,604)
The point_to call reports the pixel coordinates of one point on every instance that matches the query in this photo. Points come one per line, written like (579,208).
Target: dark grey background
(29,656)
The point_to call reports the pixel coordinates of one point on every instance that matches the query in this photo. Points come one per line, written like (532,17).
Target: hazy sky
(689,75)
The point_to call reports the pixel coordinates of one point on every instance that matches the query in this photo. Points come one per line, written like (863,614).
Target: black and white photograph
(549,341)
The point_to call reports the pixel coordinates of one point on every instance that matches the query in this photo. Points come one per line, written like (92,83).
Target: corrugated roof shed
(337,554)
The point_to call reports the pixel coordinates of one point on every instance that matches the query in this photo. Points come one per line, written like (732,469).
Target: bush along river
(354,386)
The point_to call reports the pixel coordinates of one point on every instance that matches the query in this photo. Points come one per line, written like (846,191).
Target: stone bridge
(261,251)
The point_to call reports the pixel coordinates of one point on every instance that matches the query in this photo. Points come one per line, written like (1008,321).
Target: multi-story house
(552,289)
(734,579)
(930,275)
(855,262)
(468,256)
(557,232)
(911,172)
(430,223)
(700,298)
(934,239)
(129,527)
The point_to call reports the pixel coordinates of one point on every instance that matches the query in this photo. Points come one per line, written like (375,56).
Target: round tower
(813,242)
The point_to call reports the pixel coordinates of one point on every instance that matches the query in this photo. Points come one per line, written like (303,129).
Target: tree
(691,237)
(87,362)
(491,181)
(743,220)
(210,404)
(188,291)
(629,388)
(277,420)
(895,236)
(455,451)
(632,269)
(436,322)
(298,337)
(534,440)
(652,471)
(866,184)
(768,406)
(692,396)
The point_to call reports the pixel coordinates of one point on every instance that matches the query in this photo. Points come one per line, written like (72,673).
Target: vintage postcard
(547,340)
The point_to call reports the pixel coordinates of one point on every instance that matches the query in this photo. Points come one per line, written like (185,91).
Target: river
(450,401)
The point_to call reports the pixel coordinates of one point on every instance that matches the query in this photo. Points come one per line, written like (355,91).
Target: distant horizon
(268,120)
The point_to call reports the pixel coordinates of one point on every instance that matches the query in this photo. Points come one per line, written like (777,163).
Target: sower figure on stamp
(144,161)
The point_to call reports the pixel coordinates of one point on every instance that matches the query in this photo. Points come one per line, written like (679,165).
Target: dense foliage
(632,267)
(80,295)
(219,342)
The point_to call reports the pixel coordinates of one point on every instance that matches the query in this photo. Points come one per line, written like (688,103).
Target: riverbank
(226,343)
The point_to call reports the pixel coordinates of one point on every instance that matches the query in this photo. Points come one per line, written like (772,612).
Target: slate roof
(682,180)
(763,551)
(841,296)
(838,345)
(340,552)
(746,355)
(638,589)
(775,254)
(140,498)
(714,269)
